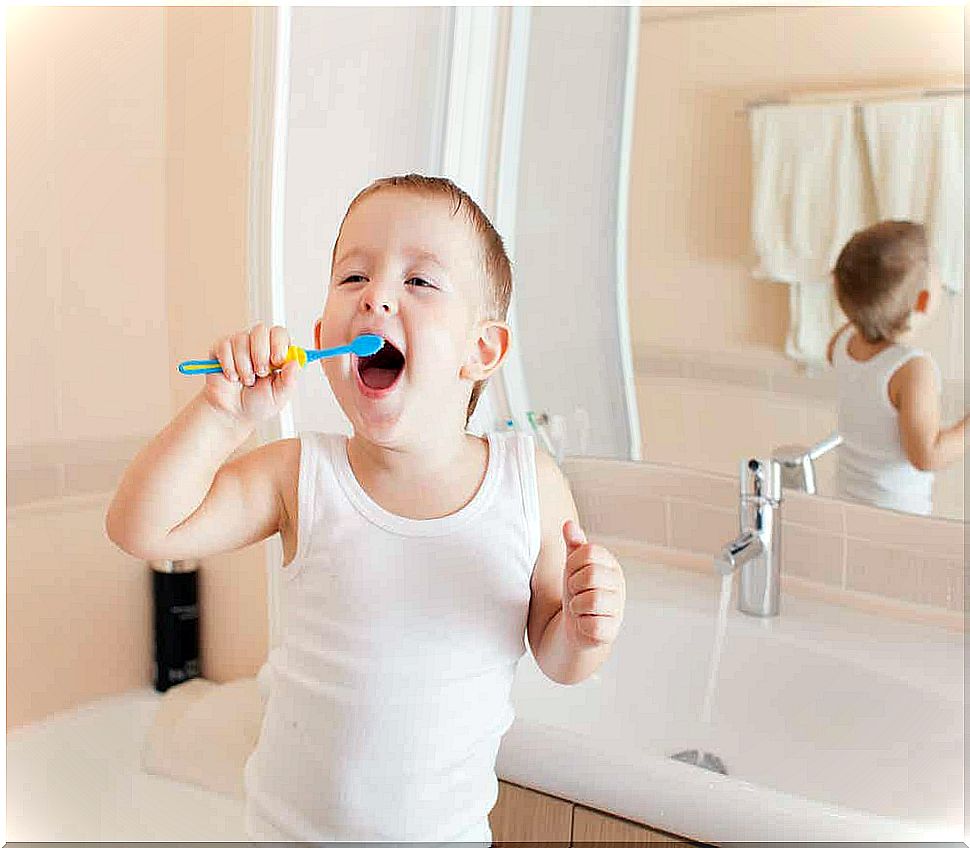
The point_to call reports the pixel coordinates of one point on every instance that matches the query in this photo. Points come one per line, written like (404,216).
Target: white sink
(831,723)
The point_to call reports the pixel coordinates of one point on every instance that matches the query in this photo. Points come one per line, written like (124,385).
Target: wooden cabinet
(525,815)
(594,826)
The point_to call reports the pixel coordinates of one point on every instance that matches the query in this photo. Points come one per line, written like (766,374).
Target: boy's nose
(378,301)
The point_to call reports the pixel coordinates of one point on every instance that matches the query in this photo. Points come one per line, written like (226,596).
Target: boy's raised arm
(928,446)
(179,498)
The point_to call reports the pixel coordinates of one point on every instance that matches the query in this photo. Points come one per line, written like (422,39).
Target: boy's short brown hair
(878,275)
(496,266)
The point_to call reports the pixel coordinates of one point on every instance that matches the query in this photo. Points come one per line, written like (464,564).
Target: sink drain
(704,759)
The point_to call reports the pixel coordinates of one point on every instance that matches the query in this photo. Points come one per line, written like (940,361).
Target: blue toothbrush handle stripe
(200,366)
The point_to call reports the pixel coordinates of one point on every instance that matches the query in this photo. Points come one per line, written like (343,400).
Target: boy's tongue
(376,377)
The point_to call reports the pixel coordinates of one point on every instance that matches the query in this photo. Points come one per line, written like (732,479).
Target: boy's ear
(922,301)
(491,346)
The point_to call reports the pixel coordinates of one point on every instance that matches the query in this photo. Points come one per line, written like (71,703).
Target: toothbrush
(541,433)
(364,345)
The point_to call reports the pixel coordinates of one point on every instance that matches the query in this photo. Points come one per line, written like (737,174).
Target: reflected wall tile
(813,511)
(687,484)
(734,375)
(820,387)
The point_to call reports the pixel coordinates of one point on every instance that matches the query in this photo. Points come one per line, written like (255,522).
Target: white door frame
(512,382)
(623,229)
(472,112)
(270,97)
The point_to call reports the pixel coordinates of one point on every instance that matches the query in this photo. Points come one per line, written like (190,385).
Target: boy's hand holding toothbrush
(251,374)
(255,381)
(593,592)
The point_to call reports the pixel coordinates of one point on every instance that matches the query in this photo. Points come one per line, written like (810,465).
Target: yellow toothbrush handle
(297,353)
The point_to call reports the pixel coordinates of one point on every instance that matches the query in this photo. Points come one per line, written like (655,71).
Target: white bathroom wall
(571,332)
(368,98)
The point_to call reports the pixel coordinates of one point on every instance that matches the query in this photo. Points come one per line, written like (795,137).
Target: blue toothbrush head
(366,345)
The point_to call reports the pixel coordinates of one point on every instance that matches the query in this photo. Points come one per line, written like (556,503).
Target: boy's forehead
(408,222)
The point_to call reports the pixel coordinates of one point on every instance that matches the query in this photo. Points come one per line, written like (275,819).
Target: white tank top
(390,691)
(872,466)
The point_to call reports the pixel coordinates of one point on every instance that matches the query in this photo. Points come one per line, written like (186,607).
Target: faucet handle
(761,479)
(824,446)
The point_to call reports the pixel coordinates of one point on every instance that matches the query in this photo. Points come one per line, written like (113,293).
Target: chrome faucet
(756,552)
(798,463)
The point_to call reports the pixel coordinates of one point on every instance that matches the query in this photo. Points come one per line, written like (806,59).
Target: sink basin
(857,717)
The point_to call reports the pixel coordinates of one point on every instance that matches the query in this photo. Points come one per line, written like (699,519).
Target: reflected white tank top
(390,691)
(872,466)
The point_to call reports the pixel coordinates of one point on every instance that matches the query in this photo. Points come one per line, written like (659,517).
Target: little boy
(889,392)
(416,555)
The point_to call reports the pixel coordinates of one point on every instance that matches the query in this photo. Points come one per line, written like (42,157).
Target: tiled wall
(840,545)
(78,609)
(46,471)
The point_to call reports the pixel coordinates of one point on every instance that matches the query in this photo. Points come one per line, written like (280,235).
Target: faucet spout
(756,552)
(738,552)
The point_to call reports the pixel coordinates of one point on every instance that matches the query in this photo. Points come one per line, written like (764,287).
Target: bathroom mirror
(726,352)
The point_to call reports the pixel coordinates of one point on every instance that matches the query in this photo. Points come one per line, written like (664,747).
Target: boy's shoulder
(918,375)
(547,471)
(555,496)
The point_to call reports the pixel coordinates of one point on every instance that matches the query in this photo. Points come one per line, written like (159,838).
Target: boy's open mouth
(381,370)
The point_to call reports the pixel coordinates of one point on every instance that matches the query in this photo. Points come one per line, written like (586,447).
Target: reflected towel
(916,157)
(809,196)
(815,315)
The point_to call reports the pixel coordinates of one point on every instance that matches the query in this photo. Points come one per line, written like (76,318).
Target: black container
(175,591)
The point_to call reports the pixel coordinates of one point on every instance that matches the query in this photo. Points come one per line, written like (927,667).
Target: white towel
(814,317)
(204,732)
(810,195)
(916,157)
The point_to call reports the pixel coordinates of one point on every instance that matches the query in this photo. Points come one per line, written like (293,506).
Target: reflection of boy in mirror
(889,391)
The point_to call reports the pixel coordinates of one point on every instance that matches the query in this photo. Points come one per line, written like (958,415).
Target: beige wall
(690,285)
(127,168)
(207,82)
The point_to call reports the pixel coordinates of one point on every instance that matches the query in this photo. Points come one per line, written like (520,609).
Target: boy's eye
(422,283)
(419,281)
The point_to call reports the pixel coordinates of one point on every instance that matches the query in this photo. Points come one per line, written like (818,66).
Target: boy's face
(408,270)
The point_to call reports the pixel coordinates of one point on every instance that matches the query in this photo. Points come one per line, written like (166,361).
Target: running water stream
(722,610)
(702,756)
